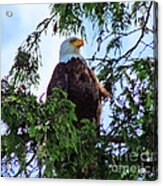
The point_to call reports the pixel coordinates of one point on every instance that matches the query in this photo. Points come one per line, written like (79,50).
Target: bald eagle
(73,75)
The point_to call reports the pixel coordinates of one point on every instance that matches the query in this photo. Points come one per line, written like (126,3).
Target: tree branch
(126,54)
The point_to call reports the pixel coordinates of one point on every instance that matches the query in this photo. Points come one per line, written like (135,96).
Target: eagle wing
(59,79)
(82,86)
(103,92)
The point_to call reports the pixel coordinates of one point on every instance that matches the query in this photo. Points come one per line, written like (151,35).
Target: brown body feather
(82,87)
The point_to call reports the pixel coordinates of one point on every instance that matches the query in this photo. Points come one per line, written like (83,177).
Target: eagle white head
(70,48)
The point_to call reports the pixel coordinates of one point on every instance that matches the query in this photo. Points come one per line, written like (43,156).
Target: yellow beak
(78,43)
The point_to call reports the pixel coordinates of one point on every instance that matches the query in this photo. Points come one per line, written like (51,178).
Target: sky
(16,29)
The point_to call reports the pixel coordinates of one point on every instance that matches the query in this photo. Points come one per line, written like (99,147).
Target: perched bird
(73,75)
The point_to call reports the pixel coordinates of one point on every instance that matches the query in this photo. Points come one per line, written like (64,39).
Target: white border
(57,182)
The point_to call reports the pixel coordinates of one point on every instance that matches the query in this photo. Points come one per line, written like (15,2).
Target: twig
(128,33)
(126,54)
(145,47)
(122,33)
(28,163)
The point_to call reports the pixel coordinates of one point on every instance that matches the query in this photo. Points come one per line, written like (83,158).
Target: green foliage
(45,139)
